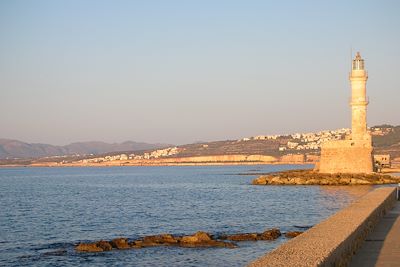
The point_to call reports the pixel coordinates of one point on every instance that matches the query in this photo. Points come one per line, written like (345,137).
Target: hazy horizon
(178,144)
(179,72)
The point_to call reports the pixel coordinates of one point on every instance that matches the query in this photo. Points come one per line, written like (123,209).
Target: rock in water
(197,237)
(293,234)
(241,237)
(105,245)
(120,243)
(58,252)
(163,239)
(203,239)
(309,177)
(202,236)
(88,247)
(270,234)
(142,244)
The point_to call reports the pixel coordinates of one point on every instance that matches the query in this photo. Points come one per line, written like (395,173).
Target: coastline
(216,160)
(160,164)
(156,164)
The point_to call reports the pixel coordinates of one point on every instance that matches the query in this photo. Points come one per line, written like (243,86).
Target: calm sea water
(45,211)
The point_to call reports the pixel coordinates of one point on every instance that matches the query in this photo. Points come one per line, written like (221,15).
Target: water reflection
(353,191)
(332,196)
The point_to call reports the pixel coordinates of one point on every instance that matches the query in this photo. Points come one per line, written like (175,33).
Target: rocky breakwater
(309,177)
(199,239)
(271,234)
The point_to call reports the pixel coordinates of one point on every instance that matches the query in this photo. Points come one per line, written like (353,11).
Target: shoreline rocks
(197,240)
(89,247)
(310,177)
(270,234)
(120,243)
(202,239)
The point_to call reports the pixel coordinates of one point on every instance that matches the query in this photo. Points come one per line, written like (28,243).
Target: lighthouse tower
(359,101)
(353,155)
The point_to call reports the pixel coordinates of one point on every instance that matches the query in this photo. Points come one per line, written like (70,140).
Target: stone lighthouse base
(346,156)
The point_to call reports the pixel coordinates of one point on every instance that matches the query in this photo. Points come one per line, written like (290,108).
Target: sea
(45,212)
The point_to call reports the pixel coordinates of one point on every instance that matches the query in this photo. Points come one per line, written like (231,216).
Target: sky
(185,71)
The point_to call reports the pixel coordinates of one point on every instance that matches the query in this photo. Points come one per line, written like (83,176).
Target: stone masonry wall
(333,241)
(346,156)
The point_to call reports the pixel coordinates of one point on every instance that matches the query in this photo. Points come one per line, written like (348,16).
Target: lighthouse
(359,101)
(354,154)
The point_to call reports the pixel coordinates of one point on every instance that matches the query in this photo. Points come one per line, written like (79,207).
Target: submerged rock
(58,252)
(270,234)
(156,240)
(163,238)
(209,243)
(94,247)
(142,244)
(293,234)
(203,239)
(241,237)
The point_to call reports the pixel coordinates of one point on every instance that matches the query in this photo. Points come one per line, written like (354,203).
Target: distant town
(300,142)
(294,148)
(170,151)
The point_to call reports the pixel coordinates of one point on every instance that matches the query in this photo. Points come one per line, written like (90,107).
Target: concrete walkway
(382,246)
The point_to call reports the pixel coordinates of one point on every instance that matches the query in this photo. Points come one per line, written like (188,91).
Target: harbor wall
(333,241)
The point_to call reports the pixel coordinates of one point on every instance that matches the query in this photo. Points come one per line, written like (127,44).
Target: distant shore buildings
(159,153)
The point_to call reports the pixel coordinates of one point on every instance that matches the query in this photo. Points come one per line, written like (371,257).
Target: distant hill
(233,147)
(388,143)
(389,139)
(386,140)
(17,149)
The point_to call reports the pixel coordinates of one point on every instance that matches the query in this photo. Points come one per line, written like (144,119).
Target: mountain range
(17,149)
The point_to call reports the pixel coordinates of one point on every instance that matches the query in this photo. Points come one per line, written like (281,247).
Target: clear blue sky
(184,71)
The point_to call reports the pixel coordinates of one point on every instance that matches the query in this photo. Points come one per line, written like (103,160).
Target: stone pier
(334,241)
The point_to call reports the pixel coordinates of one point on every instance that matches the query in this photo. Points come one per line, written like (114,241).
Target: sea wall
(333,241)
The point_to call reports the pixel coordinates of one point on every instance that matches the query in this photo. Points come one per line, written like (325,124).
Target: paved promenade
(382,246)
